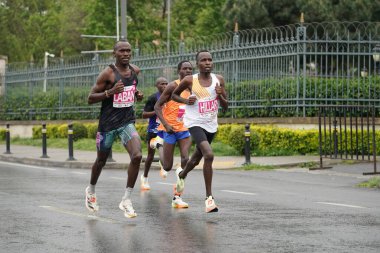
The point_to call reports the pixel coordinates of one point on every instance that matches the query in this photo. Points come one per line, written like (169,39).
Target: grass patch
(274,152)
(349,162)
(311,164)
(254,166)
(373,182)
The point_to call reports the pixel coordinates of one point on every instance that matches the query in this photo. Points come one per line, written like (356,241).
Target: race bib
(208,108)
(125,98)
(181,112)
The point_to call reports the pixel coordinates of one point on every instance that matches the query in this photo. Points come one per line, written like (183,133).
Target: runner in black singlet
(116,88)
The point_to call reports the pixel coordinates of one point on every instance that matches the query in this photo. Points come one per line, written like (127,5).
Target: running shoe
(177,202)
(144,183)
(180,182)
(163,173)
(210,205)
(126,206)
(153,143)
(159,142)
(91,203)
(156,142)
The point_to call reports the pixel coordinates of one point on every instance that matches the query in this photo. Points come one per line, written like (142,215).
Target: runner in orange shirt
(171,113)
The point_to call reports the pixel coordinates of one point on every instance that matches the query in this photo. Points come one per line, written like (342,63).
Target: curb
(65,164)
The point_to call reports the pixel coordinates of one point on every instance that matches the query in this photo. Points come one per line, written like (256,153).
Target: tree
(248,13)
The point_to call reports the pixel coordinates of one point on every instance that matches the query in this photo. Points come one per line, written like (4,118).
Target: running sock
(92,188)
(128,193)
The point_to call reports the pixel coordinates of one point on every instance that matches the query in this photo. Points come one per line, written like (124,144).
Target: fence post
(375,172)
(44,146)
(247,147)
(235,66)
(8,140)
(321,112)
(335,138)
(70,133)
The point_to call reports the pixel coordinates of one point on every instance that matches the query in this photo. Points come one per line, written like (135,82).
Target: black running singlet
(118,110)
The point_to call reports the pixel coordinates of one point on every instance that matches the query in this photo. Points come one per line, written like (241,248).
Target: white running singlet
(204,112)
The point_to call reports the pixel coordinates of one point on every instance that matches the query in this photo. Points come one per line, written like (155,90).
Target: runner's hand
(139,95)
(117,88)
(169,129)
(191,99)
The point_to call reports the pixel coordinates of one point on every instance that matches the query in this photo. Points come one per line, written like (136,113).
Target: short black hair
(180,64)
(199,52)
(117,42)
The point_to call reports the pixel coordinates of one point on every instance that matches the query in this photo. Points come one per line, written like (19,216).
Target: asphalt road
(291,210)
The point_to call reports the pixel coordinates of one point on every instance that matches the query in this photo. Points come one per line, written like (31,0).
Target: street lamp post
(376,57)
(364,72)
(45,67)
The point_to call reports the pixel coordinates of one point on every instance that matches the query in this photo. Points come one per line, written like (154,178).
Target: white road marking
(245,193)
(338,204)
(59,210)
(79,173)
(27,166)
(165,183)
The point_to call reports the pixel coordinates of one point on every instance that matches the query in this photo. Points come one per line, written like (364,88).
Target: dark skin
(184,144)
(161,84)
(122,53)
(205,64)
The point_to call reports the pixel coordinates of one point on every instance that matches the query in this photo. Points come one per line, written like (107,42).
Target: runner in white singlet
(201,112)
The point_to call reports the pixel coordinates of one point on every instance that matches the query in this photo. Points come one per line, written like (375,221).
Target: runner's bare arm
(147,115)
(139,94)
(186,83)
(102,88)
(165,97)
(221,92)
(135,68)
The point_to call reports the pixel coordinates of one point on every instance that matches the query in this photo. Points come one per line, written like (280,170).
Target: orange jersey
(173,112)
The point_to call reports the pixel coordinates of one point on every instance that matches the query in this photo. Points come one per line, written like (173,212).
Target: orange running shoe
(144,183)
(177,202)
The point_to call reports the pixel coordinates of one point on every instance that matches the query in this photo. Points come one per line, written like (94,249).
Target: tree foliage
(28,28)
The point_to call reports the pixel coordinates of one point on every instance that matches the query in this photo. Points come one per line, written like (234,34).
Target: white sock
(92,188)
(128,193)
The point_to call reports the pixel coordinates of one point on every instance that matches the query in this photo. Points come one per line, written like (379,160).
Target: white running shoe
(177,202)
(144,183)
(153,143)
(159,141)
(163,173)
(156,142)
(126,206)
(91,202)
(210,205)
(178,188)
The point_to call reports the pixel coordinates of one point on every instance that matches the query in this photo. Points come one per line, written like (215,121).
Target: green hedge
(2,134)
(264,140)
(80,130)
(269,140)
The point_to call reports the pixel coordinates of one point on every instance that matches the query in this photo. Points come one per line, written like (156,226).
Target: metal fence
(348,133)
(276,71)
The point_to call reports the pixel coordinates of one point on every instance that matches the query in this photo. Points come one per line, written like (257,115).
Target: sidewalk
(85,159)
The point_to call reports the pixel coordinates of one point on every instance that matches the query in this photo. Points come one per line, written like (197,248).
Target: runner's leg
(184,147)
